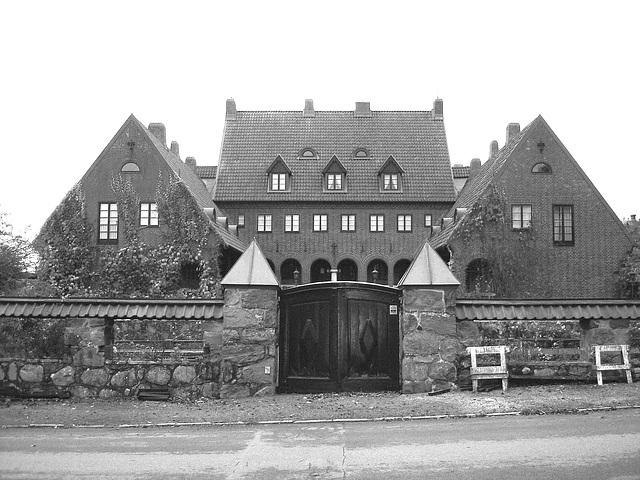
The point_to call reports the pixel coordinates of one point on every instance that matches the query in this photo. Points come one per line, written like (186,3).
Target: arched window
(289,270)
(541,167)
(378,272)
(130,167)
(320,271)
(308,154)
(361,153)
(347,271)
(399,270)
(479,277)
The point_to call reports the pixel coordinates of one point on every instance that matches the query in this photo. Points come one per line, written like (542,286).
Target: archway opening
(320,271)
(290,272)
(378,272)
(399,270)
(347,271)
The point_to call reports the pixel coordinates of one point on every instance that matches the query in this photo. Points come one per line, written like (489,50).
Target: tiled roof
(206,171)
(547,309)
(254,139)
(476,186)
(113,308)
(460,171)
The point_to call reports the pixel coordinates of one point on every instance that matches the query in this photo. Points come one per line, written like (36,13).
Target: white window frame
(264,222)
(148,214)
(405,223)
(292,223)
(376,223)
(320,222)
(348,223)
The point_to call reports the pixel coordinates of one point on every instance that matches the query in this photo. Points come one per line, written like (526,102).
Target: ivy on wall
(505,257)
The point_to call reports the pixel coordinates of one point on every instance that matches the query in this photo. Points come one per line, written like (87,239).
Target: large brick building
(576,241)
(351,191)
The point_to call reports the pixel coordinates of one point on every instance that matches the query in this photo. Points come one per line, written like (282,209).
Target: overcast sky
(72,72)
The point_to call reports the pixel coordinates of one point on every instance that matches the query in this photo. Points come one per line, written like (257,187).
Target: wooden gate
(339,336)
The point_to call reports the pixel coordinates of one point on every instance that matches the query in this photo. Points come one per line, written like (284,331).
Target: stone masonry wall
(249,342)
(430,343)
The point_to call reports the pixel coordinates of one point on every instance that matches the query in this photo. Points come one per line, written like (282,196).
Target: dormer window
(130,167)
(390,175)
(334,176)
(541,167)
(361,153)
(279,176)
(308,154)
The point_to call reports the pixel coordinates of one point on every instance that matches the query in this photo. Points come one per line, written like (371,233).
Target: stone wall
(249,342)
(430,344)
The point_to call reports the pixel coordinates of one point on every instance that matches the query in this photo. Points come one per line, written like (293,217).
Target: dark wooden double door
(339,336)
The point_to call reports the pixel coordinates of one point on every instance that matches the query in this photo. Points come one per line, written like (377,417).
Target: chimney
(191,163)
(493,149)
(633,218)
(175,148)
(363,109)
(474,167)
(437,108)
(159,131)
(308,108)
(513,129)
(231,110)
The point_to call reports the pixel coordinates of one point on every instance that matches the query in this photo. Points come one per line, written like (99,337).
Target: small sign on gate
(393,309)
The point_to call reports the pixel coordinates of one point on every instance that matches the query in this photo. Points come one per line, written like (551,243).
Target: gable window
(130,167)
(348,223)
(520,217)
(319,223)
(390,176)
(108,232)
(404,223)
(390,181)
(376,223)
(292,223)
(148,215)
(428,220)
(541,167)
(241,219)
(278,181)
(563,225)
(334,181)
(264,223)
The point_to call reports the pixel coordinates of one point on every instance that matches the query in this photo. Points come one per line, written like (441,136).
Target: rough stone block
(1,373)
(82,392)
(242,318)
(184,374)
(232,298)
(255,373)
(266,298)
(267,391)
(243,354)
(32,373)
(420,343)
(414,371)
(601,336)
(449,349)
(63,377)
(424,300)
(210,390)
(409,323)
(235,391)
(443,371)
(158,375)
(108,393)
(270,318)
(258,335)
(468,333)
(416,387)
(126,378)
(544,372)
(71,337)
(438,324)
(12,372)
(231,336)
(95,377)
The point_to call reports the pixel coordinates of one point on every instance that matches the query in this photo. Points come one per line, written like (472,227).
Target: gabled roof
(252,139)
(251,268)
(428,268)
(206,171)
(492,170)
(391,165)
(334,165)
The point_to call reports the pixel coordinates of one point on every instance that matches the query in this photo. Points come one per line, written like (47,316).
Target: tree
(15,257)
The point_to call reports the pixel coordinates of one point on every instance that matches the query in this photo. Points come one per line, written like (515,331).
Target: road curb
(314,421)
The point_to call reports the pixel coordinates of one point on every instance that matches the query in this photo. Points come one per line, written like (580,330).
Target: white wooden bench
(624,366)
(488,372)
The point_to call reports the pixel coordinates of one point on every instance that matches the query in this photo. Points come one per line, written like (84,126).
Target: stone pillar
(249,341)
(430,344)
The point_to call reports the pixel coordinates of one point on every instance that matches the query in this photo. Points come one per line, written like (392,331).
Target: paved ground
(525,400)
(601,445)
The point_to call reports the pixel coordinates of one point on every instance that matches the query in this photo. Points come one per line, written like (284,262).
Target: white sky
(71,72)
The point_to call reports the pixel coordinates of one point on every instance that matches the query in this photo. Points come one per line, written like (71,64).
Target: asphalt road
(596,446)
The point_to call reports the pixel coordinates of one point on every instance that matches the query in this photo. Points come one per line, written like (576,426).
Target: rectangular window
(319,223)
(278,181)
(376,223)
(264,223)
(348,223)
(241,219)
(334,181)
(390,181)
(148,215)
(292,223)
(108,232)
(427,220)
(520,217)
(404,223)
(563,224)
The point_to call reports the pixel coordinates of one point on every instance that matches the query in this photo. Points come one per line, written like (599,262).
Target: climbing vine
(506,257)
